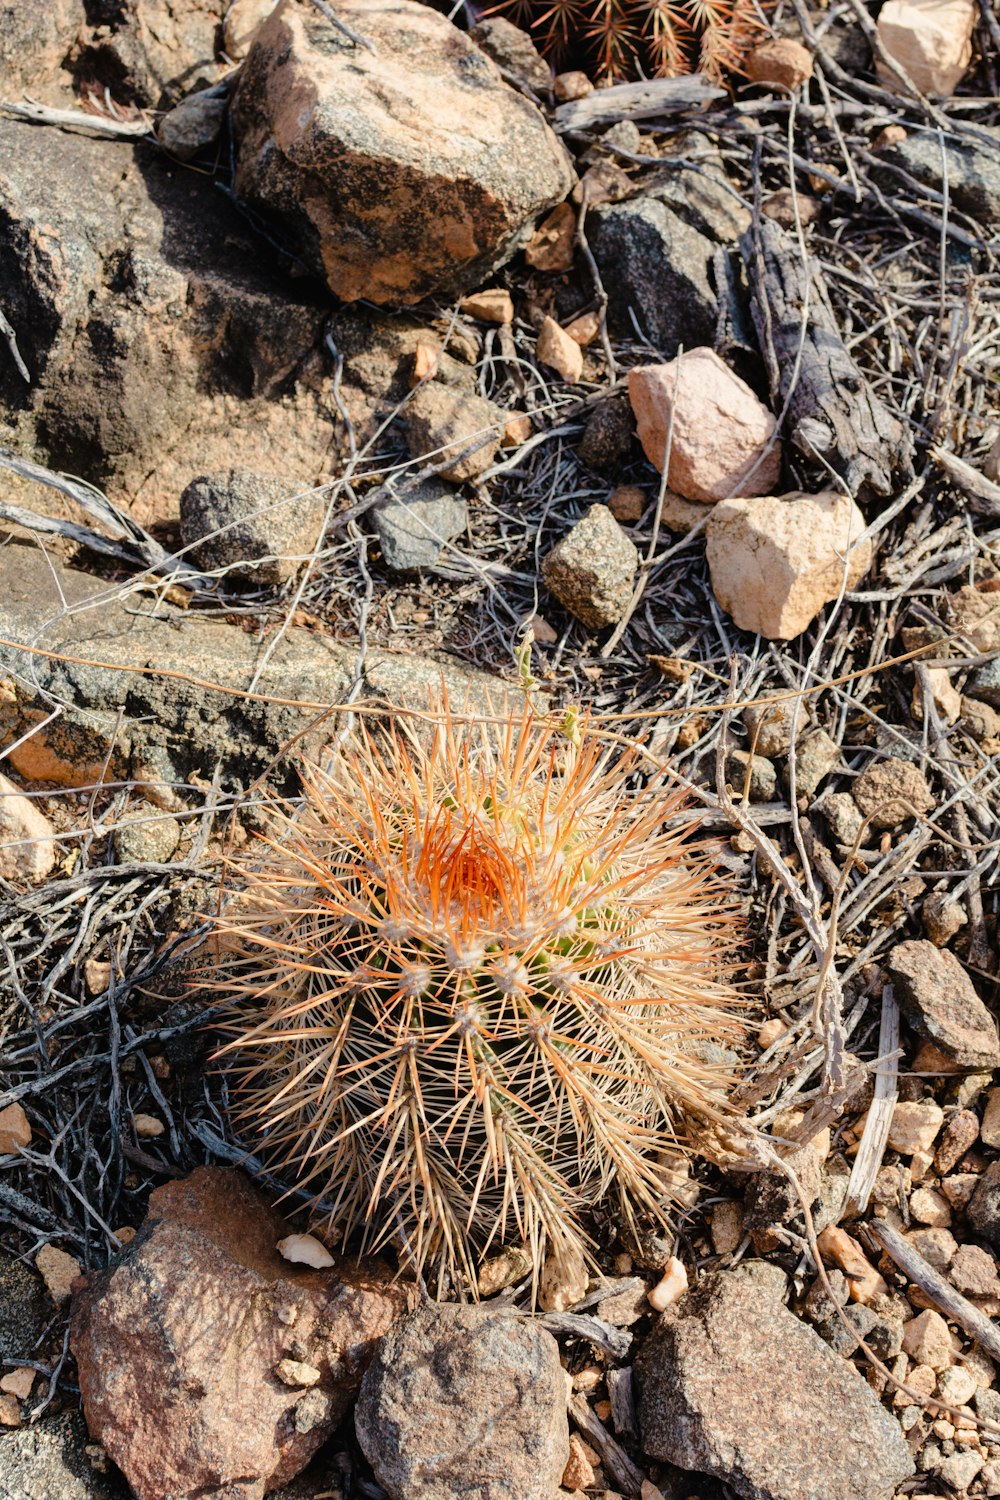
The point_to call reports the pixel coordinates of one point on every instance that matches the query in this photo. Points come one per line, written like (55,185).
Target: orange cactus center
(467,865)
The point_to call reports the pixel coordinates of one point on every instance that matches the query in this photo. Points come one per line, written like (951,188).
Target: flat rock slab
(208,1364)
(465,1401)
(732,1384)
(156,694)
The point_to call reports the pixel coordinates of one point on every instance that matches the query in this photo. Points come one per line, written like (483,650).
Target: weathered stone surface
(973,175)
(591,571)
(984,1206)
(253,526)
(720,431)
(402,171)
(465,1400)
(27,846)
(775,561)
(656,266)
(240,26)
(193,721)
(930,39)
(150,55)
(414,528)
(891,791)
(513,51)
(733,1384)
(607,437)
(446,426)
(34,43)
(177,1344)
(49,1461)
(559,350)
(940,1002)
(159,343)
(703,197)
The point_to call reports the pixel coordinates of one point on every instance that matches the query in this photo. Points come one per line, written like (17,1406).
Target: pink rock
(181,1347)
(720,429)
(776,561)
(930,39)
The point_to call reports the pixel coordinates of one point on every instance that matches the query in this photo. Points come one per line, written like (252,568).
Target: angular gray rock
(733,1384)
(940,1002)
(655,265)
(984,1206)
(591,571)
(414,528)
(182,680)
(513,51)
(181,1345)
(973,169)
(254,526)
(402,170)
(463,1401)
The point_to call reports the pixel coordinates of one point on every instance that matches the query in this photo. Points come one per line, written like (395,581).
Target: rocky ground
(337,363)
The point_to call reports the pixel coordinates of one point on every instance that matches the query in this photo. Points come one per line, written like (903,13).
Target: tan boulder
(27,838)
(403,170)
(930,39)
(181,1346)
(720,434)
(775,561)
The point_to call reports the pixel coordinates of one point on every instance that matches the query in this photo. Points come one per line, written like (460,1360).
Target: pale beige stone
(770,1032)
(58,1270)
(492,305)
(671,1286)
(27,846)
(557,349)
(927,1340)
(305,1250)
(148,1127)
(989,1131)
(776,561)
(563,1282)
(575,85)
(720,433)
(584,329)
(914,1126)
(15,1130)
(930,39)
(517,430)
(927,1206)
(945,697)
(240,26)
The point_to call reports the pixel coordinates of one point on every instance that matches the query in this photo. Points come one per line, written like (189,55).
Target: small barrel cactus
(476,987)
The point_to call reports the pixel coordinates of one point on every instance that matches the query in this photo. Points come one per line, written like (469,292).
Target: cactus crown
(617,39)
(471,984)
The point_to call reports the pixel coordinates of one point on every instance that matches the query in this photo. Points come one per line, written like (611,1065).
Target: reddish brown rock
(733,1384)
(403,170)
(180,1346)
(940,1002)
(779,61)
(891,791)
(720,431)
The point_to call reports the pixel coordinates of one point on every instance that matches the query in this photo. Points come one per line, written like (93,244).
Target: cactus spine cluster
(470,983)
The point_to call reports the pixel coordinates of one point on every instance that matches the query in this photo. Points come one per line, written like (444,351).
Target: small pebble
(148,1127)
(959,1469)
(928,1206)
(296,1373)
(959,1188)
(960,1132)
(956,1386)
(927,1340)
(58,1270)
(559,351)
(672,1286)
(18,1383)
(726,1227)
(306,1250)
(914,1127)
(15,1130)
(771,1032)
(579,1471)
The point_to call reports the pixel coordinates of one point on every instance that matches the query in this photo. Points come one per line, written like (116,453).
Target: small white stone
(296,1372)
(305,1250)
(671,1287)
